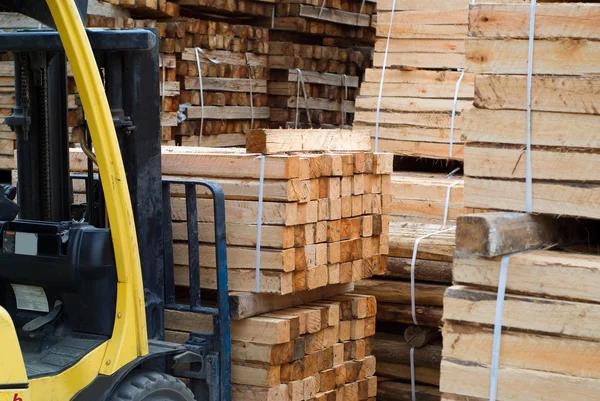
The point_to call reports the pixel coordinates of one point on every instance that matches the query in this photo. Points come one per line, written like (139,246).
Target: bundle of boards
(564,108)
(549,345)
(417,81)
(324,214)
(317,351)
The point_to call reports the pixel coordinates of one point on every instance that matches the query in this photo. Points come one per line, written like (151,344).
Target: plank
(386,5)
(414,105)
(523,351)
(227,112)
(425,120)
(399,291)
(324,78)
(543,273)
(280,141)
(561,57)
(425,270)
(515,384)
(430,316)
(373,75)
(422,31)
(273,354)
(399,391)
(420,336)
(227,84)
(504,161)
(188,321)
(227,57)
(429,16)
(469,305)
(335,16)
(421,90)
(321,104)
(444,46)
(496,234)
(402,371)
(424,60)
(244,305)
(421,149)
(552,20)
(393,348)
(7,162)
(555,94)
(548,129)
(562,199)
(411,133)
(435,247)
(253,393)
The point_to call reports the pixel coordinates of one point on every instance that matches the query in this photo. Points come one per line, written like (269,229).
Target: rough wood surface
(281,141)
(438,246)
(394,349)
(430,316)
(399,291)
(420,336)
(398,391)
(402,371)
(425,270)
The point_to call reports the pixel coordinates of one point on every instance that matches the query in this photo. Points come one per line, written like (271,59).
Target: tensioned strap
(454,105)
(199,65)
(261,187)
(299,82)
(528,172)
(344,100)
(164,79)
(250,80)
(322,8)
(385,56)
(413,387)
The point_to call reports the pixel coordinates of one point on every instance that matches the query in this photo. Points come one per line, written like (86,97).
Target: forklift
(84,288)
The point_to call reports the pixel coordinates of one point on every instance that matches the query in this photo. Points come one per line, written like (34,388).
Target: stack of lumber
(7,102)
(564,106)
(315,351)
(549,340)
(324,214)
(425,49)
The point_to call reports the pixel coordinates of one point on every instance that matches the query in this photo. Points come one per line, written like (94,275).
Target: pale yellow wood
(188,321)
(561,57)
(323,78)
(523,350)
(510,163)
(549,316)
(556,94)
(435,247)
(335,16)
(399,291)
(386,5)
(402,371)
(227,57)
(582,200)
(274,354)
(321,104)
(544,273)
(407,104)
(421,149)
(415,89)
(410,133)
(252,393)
(255,374)
(427,16)
(548,129)
(227,84)
(422,31)
(421,60)
(289,140)
(554,20)
(425,120)
(515,384)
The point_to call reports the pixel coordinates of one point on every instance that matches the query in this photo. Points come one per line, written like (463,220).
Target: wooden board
(402,371)
(523,351)
(430,316)
(561,57)
(515,384)
(398,391)
(469,305)
(430,16)
(227,112)
(410,133)
(423,60)
(280,141)
(425,120)
(580,200)
(435,247)
(399,291)
(423,31)
(421,149)
(414,105)
(227,84)
(554,20)
(544,273)
(442,46)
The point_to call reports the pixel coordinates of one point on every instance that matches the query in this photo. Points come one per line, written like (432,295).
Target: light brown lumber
(393,348)
(505,161)
(496,234)
(515,384)
(259,375)
(244,305)
(555,94)
(424,120)
(523,350)
(252,393)
(271,282)
(408,88)
(415,105)
(426,78)
(324,78)
(227,112)
(228,57)
(553,20)
(563,199)
(7,162)
(439,246)
(429,16)
(362,328)
(545,273)
(409,133)
(421,60)
(561,57)
(273,354)
(227,84)
(399,291)
(278,237)
(421,149)
(425,270)
(238,211)
(423,31)
(401,371)
(335,16)
(238,257)
(441,5)
(321,104)
(442,46)
(281,141)
(188,321)
(549,316)
(508,126)
(399,391)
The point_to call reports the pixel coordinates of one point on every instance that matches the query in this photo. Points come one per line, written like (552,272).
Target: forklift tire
(148,385)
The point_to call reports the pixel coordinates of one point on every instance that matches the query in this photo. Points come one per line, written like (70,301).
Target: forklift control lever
(8,209)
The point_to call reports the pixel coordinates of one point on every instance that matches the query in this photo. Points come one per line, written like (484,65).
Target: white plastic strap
(164,79)
(447,205)
(498,326)
(250,80)
(528,173)
(199,65)
(454,105)
(261,187)
(273,17)
(300,82)
(385,56)
(412,271)
(345,84)
(413,387)
(322,8)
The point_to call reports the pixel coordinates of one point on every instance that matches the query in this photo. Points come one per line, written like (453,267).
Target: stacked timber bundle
(317,56)
(521,321)
(7,102)
(315,351)
(414,98)
(324,214)
(564,109)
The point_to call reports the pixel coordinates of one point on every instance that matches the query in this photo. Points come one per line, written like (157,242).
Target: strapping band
(385,56)
(413,387)
(345,84)
(300,82)
(251,81)
(259,220)
(199,51)
(498,326)
(273,17)
(528,172)
(412,271)
(454,105)
(322,8)
(164,79)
